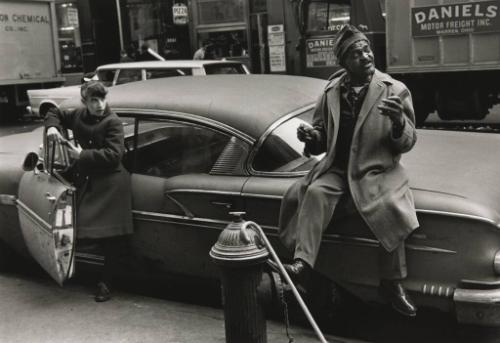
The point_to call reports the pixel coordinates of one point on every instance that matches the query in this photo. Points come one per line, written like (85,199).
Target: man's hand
(393,108)
(305,133)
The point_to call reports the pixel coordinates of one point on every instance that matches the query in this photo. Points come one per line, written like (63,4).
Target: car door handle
(227,205)
(50,197)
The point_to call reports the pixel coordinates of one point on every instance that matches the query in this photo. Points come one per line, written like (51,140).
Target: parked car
(198,148)
(41,100)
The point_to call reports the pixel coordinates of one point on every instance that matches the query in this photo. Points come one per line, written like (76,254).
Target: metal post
(120,29)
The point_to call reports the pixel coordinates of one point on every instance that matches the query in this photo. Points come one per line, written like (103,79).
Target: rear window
(106,76)
(129,75)
(224,69)
(159,73)
(282,152)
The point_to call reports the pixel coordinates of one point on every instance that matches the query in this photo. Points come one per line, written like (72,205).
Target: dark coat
(103,185)
(377,181)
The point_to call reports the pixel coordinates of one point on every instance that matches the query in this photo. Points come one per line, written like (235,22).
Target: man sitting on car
(364,120)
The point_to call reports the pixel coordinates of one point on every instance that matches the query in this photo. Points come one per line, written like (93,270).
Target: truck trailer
(30,52)
(447,52)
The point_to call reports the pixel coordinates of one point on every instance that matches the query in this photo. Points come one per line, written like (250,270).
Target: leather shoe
(394,292)
(298,271)
(103,293)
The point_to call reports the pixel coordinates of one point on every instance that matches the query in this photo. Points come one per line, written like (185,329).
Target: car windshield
(282,152)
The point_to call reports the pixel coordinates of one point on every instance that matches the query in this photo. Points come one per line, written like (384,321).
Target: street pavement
(35,309)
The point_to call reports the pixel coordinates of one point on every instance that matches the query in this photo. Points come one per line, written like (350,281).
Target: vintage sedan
(198,148)
(41,100)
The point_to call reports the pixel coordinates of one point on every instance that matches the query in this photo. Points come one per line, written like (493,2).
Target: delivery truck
(447,52)
(29,52)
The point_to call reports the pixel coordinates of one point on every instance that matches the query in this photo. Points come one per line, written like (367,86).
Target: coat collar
(376,89)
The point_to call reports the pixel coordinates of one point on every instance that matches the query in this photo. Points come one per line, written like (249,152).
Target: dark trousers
(315,212)
(115,250)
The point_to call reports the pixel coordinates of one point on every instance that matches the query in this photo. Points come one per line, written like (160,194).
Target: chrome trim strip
(338,239)
(478,296)
(419,210)
(182,116)
(204,191)
(34,217)
(461,215)
(262,196)
(272,230)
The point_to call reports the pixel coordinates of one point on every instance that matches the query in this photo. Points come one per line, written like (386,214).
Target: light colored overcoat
(377,181)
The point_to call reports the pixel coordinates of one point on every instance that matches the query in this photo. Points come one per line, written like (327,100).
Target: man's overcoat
(103,185)
(377,181)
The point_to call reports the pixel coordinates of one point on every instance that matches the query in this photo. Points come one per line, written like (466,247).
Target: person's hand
(73,151)
(54,134)
(305,133)
(393,108)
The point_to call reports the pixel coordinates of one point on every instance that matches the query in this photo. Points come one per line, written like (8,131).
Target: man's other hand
(305,133)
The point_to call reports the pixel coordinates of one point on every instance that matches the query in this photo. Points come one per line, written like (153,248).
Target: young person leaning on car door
(364,121)
(103,206)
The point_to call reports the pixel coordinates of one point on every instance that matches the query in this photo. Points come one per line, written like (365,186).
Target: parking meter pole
(241,263)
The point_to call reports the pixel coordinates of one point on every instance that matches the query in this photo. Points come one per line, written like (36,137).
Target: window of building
(220,11)
(70,43)
(231,43)
(328,15)
(150,22)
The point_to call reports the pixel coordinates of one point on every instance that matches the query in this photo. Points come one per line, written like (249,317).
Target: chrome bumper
(477,306)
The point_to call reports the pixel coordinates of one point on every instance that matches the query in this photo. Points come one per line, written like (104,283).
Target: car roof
(248,103)
(165,64)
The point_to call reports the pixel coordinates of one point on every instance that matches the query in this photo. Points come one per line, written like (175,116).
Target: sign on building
(319,52)
(180,14)
(276,43)
(456,19)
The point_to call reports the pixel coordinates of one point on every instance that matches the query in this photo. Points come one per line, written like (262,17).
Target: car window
(159,73)
(170,148)
(106,76)
(281,151)
(224,69)
(56,156)
(129,75)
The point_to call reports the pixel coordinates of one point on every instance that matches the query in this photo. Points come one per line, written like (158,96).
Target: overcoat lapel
(375,91)
(333,107)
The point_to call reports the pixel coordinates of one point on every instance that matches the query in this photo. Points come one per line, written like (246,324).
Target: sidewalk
(36,310)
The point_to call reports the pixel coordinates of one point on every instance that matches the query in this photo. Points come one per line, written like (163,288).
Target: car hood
(456,172)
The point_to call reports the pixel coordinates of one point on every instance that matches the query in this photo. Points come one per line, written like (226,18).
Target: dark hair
(93,89)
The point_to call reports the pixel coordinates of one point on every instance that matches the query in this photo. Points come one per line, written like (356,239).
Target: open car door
(46,207)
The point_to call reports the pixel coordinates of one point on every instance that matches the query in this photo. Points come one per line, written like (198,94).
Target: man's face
(359,60)
(96,105)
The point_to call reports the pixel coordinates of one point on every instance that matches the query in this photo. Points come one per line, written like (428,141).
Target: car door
(46,214)
(186,179)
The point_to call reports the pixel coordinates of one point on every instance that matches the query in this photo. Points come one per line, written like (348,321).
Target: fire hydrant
(241,255)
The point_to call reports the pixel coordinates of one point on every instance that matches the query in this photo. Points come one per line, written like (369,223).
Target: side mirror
(30,161)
